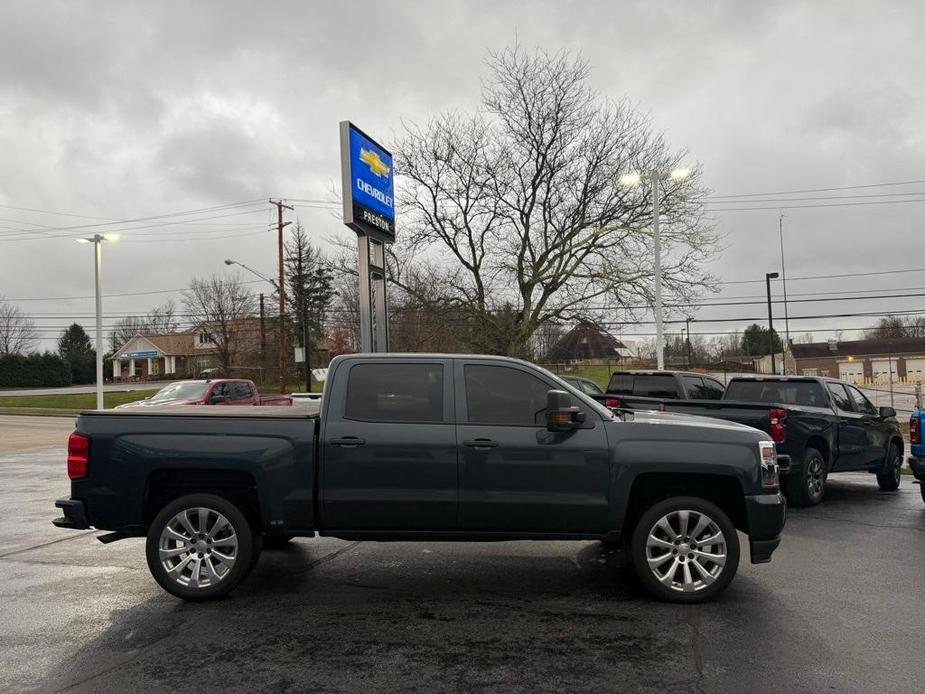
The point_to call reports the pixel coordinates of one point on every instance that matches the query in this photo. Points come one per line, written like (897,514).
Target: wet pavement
(839,609)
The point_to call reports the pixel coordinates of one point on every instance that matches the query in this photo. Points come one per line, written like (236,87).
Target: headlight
(767,452)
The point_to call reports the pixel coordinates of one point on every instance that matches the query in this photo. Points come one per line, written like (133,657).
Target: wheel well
(821,445)
(899,443)
(650,488)
(240,488)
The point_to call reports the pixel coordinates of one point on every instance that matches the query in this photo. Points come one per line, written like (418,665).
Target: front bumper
(767,514)
(917,465)
(75,515)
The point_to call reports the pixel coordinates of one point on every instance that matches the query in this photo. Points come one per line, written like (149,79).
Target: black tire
(661,582)
(892,474)
(808,487)
(275,541)
(229,557)
(922,490)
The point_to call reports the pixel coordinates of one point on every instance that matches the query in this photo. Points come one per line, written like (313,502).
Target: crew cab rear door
(515,476)
(388,447)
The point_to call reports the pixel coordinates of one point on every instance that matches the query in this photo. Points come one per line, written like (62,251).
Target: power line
(828,277)
(819,205)
(819,190)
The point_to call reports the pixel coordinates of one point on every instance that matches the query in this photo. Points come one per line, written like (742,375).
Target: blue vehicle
(917,459)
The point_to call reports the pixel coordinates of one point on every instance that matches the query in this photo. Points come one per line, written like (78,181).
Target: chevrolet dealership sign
(369,193)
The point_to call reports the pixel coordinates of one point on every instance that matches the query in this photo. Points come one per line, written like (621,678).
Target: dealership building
(900,359)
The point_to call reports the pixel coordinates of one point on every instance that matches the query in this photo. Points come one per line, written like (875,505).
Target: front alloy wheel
(890,478)
(200,547)
(685,549)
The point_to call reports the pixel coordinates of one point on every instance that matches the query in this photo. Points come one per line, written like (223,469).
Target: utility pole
(783,276)
(688,345)
(263,339)
(282,294)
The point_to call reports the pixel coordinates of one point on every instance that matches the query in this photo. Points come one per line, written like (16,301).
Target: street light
(97,241)
(252,270)
(308,380)
(768,276)
(632,179)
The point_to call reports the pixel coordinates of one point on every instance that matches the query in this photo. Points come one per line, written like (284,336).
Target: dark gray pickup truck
(437,447)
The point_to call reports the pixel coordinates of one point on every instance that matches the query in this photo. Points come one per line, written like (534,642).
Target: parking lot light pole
(97,241)
(633,179)
(768,276)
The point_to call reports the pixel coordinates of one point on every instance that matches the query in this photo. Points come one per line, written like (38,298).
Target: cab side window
(840,397)
(240,391)
(504,395)
(395,393)
(713,390)
(861,403)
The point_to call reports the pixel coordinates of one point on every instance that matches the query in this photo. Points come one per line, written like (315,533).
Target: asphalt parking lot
(839,609)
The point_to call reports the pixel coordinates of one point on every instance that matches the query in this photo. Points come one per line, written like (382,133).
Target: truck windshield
(805,393)
(181,391)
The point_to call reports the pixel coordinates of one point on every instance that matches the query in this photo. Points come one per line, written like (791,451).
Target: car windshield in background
(181,391)
(805,393)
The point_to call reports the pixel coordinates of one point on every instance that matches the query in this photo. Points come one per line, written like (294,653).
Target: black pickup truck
(435,447)
(820,425)
(648,390)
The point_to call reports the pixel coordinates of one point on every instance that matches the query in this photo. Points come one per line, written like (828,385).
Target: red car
(220,391)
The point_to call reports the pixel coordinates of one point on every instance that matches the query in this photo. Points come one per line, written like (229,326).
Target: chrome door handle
(480,444)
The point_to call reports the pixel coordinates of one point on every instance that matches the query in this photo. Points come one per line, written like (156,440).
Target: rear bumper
(917,465)
(75,515)
(767,514)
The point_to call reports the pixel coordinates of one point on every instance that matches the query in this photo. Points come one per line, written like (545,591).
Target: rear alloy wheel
(685,549)
(808,487)
(890,478)
(200,547)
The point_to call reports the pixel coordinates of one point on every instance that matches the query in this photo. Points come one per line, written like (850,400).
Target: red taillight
(78,450)
(612,403)
(915,429)
(776,429)
(661,407)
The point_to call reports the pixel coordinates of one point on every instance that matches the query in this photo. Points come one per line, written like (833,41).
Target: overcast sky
(124,110)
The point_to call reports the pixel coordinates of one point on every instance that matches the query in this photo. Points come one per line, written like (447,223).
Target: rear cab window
(655,386)
(798,393)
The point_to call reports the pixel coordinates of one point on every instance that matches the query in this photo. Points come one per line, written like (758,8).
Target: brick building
(901,359)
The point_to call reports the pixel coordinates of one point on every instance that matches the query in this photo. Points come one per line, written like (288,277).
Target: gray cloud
(125,109)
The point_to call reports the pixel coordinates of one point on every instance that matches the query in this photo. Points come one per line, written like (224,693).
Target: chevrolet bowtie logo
(375,164)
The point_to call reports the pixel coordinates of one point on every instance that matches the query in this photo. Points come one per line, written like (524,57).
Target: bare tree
(18,334)
(222,307)
(163,319)
(519,205)
(158,321)
(125,329)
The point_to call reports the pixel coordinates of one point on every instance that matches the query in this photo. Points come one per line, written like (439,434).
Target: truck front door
(515,476)
(388,447)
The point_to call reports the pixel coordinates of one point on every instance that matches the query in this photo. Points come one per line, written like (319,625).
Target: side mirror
(561,414)
(887,412)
